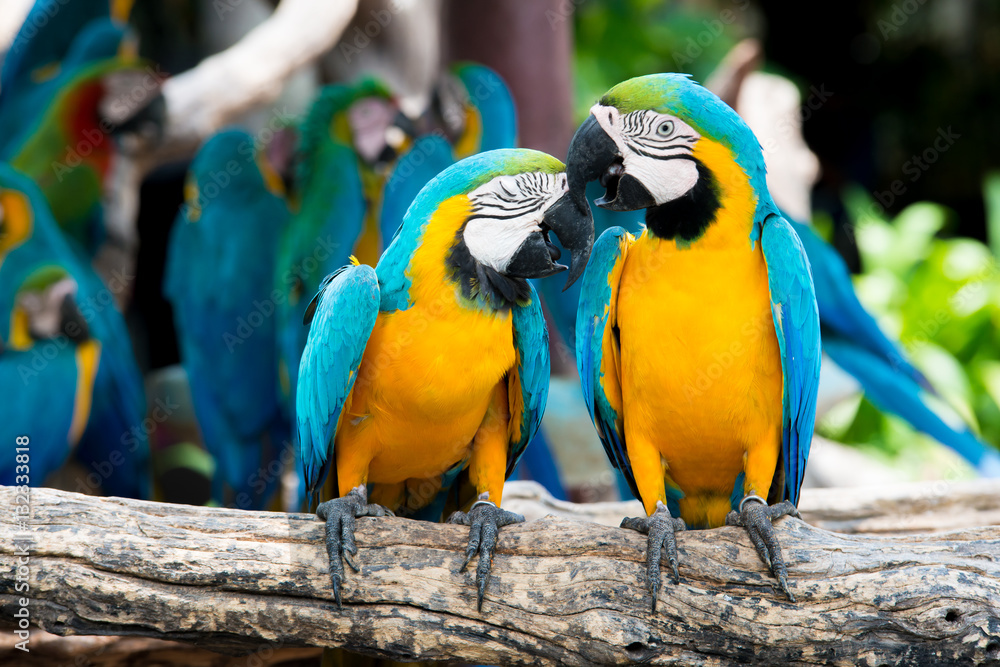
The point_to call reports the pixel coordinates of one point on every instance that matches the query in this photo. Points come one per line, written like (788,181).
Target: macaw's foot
(660,527)
(756,516)
(339,515)
(485,520)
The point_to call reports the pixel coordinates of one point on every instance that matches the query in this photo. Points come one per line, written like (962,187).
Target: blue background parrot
(476,109)
(220,282)
(698,343)
(335,201)
(66,346)
(424,379)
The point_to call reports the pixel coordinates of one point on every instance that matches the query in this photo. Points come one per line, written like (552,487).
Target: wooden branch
(563,591)
(250,73)
(13,15)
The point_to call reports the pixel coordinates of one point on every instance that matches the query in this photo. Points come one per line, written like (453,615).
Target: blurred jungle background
(896,99)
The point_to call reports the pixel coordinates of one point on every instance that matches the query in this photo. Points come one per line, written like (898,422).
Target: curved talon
(756,516)
(340,515)
(661,528)
(485,521)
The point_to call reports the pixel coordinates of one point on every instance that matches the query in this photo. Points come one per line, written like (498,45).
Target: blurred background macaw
(71,380)
(219,282)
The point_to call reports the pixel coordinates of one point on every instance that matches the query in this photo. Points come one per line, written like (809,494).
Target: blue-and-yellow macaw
(74,387)
(851,338)
(352,188)
(424,378)
(492,124)
(476,113)
(220,281)
(698,343)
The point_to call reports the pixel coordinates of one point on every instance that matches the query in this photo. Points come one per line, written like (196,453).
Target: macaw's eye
(665,129)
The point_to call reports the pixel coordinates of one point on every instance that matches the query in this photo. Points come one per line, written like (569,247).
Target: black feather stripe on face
(639,131)
(482,284)
(686,218)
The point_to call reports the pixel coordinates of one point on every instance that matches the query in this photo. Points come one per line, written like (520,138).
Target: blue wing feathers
(592,322)
(531,340)
(345,316)
(796,323)
(888,391)
(853,340)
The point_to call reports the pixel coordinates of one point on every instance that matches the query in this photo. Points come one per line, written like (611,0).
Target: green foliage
(941,298)
(620,39)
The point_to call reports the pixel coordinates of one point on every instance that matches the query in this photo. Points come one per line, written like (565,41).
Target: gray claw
(661,528)
(485,521)
(340,515)
(756,517)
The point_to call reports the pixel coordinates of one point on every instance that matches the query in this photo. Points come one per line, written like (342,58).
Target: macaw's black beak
(139,126)
(72,323)
(594,156)
(537,257)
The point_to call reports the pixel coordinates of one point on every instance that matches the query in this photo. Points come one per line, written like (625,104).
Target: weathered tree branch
(248,74)
(563,591)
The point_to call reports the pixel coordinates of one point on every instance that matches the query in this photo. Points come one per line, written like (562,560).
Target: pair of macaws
(424,378)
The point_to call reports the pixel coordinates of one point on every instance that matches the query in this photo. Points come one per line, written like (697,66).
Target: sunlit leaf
(991,192)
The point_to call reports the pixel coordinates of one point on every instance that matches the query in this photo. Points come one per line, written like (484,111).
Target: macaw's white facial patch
(657,149)
(44,307)
(369,119)
(506,211)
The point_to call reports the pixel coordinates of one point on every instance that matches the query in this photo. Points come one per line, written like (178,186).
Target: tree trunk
(563,591)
